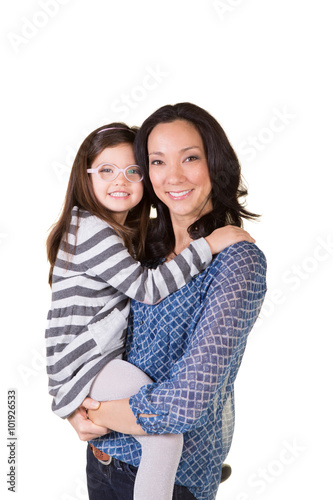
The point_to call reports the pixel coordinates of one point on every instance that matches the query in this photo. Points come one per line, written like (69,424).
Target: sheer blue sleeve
(231,297)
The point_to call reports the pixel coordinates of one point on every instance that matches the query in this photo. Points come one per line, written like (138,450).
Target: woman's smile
(180,195)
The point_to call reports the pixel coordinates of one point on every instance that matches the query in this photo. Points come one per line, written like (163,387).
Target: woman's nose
(175,173)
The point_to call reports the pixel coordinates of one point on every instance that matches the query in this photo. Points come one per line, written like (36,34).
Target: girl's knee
(117,380)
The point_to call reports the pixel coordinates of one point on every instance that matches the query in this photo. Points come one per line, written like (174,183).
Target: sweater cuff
(110,332)
(203,250)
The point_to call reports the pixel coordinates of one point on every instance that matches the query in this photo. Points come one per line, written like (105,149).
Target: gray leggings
(160,453)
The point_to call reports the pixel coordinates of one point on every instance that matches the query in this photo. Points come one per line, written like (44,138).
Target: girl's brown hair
(80,194)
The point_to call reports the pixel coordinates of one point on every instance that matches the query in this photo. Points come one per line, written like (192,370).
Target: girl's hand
(223,237)
(84,427)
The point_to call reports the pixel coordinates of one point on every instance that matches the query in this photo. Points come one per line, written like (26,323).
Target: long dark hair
(80,193)
(224,170)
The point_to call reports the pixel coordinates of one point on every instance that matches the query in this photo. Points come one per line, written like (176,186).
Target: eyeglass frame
(119,170)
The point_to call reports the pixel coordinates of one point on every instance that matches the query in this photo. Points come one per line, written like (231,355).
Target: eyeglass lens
(132,173)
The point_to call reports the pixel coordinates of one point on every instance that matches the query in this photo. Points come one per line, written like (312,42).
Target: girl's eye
(106,170)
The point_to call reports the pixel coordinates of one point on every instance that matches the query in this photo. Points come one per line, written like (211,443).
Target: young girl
(93,275)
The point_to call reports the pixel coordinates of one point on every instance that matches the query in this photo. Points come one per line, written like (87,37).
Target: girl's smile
(119,194)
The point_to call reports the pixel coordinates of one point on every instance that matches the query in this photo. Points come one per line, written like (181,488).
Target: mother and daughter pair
(159,368)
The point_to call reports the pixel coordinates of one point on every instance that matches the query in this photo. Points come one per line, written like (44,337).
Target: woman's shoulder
(243,256)
(246,250)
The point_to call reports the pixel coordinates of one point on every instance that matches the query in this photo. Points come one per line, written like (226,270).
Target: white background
(263,69)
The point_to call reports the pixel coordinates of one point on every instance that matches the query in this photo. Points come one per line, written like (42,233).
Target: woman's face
(178,170)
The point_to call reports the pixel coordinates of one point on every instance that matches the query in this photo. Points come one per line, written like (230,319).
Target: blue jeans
(116,481)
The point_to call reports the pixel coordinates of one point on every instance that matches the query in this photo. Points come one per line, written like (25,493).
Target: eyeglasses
(109,172)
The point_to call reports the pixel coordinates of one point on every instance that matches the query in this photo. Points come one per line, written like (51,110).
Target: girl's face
(178,170)
(119,195)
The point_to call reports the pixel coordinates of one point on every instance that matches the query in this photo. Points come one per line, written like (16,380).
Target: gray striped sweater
(91,288)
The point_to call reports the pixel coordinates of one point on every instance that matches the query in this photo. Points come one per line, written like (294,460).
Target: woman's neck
(182,238)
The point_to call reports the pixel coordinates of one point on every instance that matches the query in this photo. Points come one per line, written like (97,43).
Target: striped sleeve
(102,253)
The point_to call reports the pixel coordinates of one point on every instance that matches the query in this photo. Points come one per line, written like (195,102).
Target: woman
(191,343)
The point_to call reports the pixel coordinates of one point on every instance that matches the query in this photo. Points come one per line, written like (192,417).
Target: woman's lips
(179,195)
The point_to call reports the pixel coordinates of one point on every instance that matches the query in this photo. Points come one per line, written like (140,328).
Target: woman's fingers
(85,428)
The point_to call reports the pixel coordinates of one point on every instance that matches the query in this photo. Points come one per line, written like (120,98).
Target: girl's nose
(120,179)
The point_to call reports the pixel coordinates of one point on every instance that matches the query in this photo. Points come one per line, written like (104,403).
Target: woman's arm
(232,303)
(231,299)
(118,416)
(87,419)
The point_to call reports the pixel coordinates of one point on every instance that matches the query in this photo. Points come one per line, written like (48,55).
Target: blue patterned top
(192,344)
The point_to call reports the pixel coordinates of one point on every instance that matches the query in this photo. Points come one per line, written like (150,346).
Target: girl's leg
(158,466)
(160,453)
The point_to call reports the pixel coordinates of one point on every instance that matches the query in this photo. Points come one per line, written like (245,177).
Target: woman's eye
(191,158)
(156,162)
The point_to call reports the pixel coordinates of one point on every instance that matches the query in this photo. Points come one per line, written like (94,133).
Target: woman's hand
(118,416)
(223,237)
(84,427)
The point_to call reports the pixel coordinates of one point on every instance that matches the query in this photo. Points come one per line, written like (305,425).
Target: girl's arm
(101,252)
